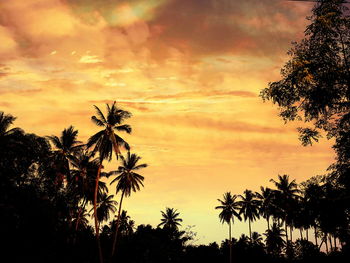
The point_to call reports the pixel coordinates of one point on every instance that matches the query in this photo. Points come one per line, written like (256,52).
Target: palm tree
(128,181)
(106,207)
(265,197)
(256,239)
(104,142)
(6,120)
(170,219)
(66,146)
(288,194)
(229,208)
(249,207)
(274,239)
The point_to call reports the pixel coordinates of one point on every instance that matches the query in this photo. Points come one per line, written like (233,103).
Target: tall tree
(265,197)
(229,210)
(288,193)
(104,142)
(128,181)
(249,207)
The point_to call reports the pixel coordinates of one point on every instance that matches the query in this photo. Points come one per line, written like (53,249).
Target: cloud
(216,27)
(204,93)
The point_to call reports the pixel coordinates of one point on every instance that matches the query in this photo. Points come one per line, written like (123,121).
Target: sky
(190,71)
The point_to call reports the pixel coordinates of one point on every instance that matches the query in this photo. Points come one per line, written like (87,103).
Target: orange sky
(190,71)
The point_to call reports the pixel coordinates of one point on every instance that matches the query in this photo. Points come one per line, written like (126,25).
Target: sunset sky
(190,71)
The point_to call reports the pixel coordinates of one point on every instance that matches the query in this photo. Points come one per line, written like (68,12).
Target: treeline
(317,210)
(50,187)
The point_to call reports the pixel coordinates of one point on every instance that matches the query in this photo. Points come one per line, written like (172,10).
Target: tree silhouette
(104,142)
(249,207)
(128,181)
(229,210)
(170,219)
(266,205)
(287,194)
(66,147)
(274,239)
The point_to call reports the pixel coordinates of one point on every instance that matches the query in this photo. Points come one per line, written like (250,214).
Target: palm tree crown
(6,120)
(106,140)
(229,208)
(170,219)
(128,180)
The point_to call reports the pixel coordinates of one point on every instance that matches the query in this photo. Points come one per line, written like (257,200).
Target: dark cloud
(226,26)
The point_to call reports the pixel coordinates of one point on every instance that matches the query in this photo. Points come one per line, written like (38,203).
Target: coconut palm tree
(106,207)
(6,120)
(249,207)
(274,239)
(266,205)
(66,146)
(256,239)
(287,195)
(229,210)
(104,142)
(170,219)
(128,181)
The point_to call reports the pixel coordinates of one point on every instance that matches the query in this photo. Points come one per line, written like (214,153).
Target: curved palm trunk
(81,209)
(117,226)
(230,241)
(286,229)
(301,234)
(95,214)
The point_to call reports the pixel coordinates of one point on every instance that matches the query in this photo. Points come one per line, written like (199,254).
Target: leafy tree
(315,84)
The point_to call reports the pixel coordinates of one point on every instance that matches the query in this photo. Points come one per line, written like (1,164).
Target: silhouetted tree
(128,181)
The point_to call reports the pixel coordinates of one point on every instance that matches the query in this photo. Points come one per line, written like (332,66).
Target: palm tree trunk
(230,241)
(316,235)
(330,241)
(117,226)
(95,214)
(81,209)
(335,242)
(325,239)
(291,233)
(286,229)
(250,229)
(115,145)
(268,222)
(301,233)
